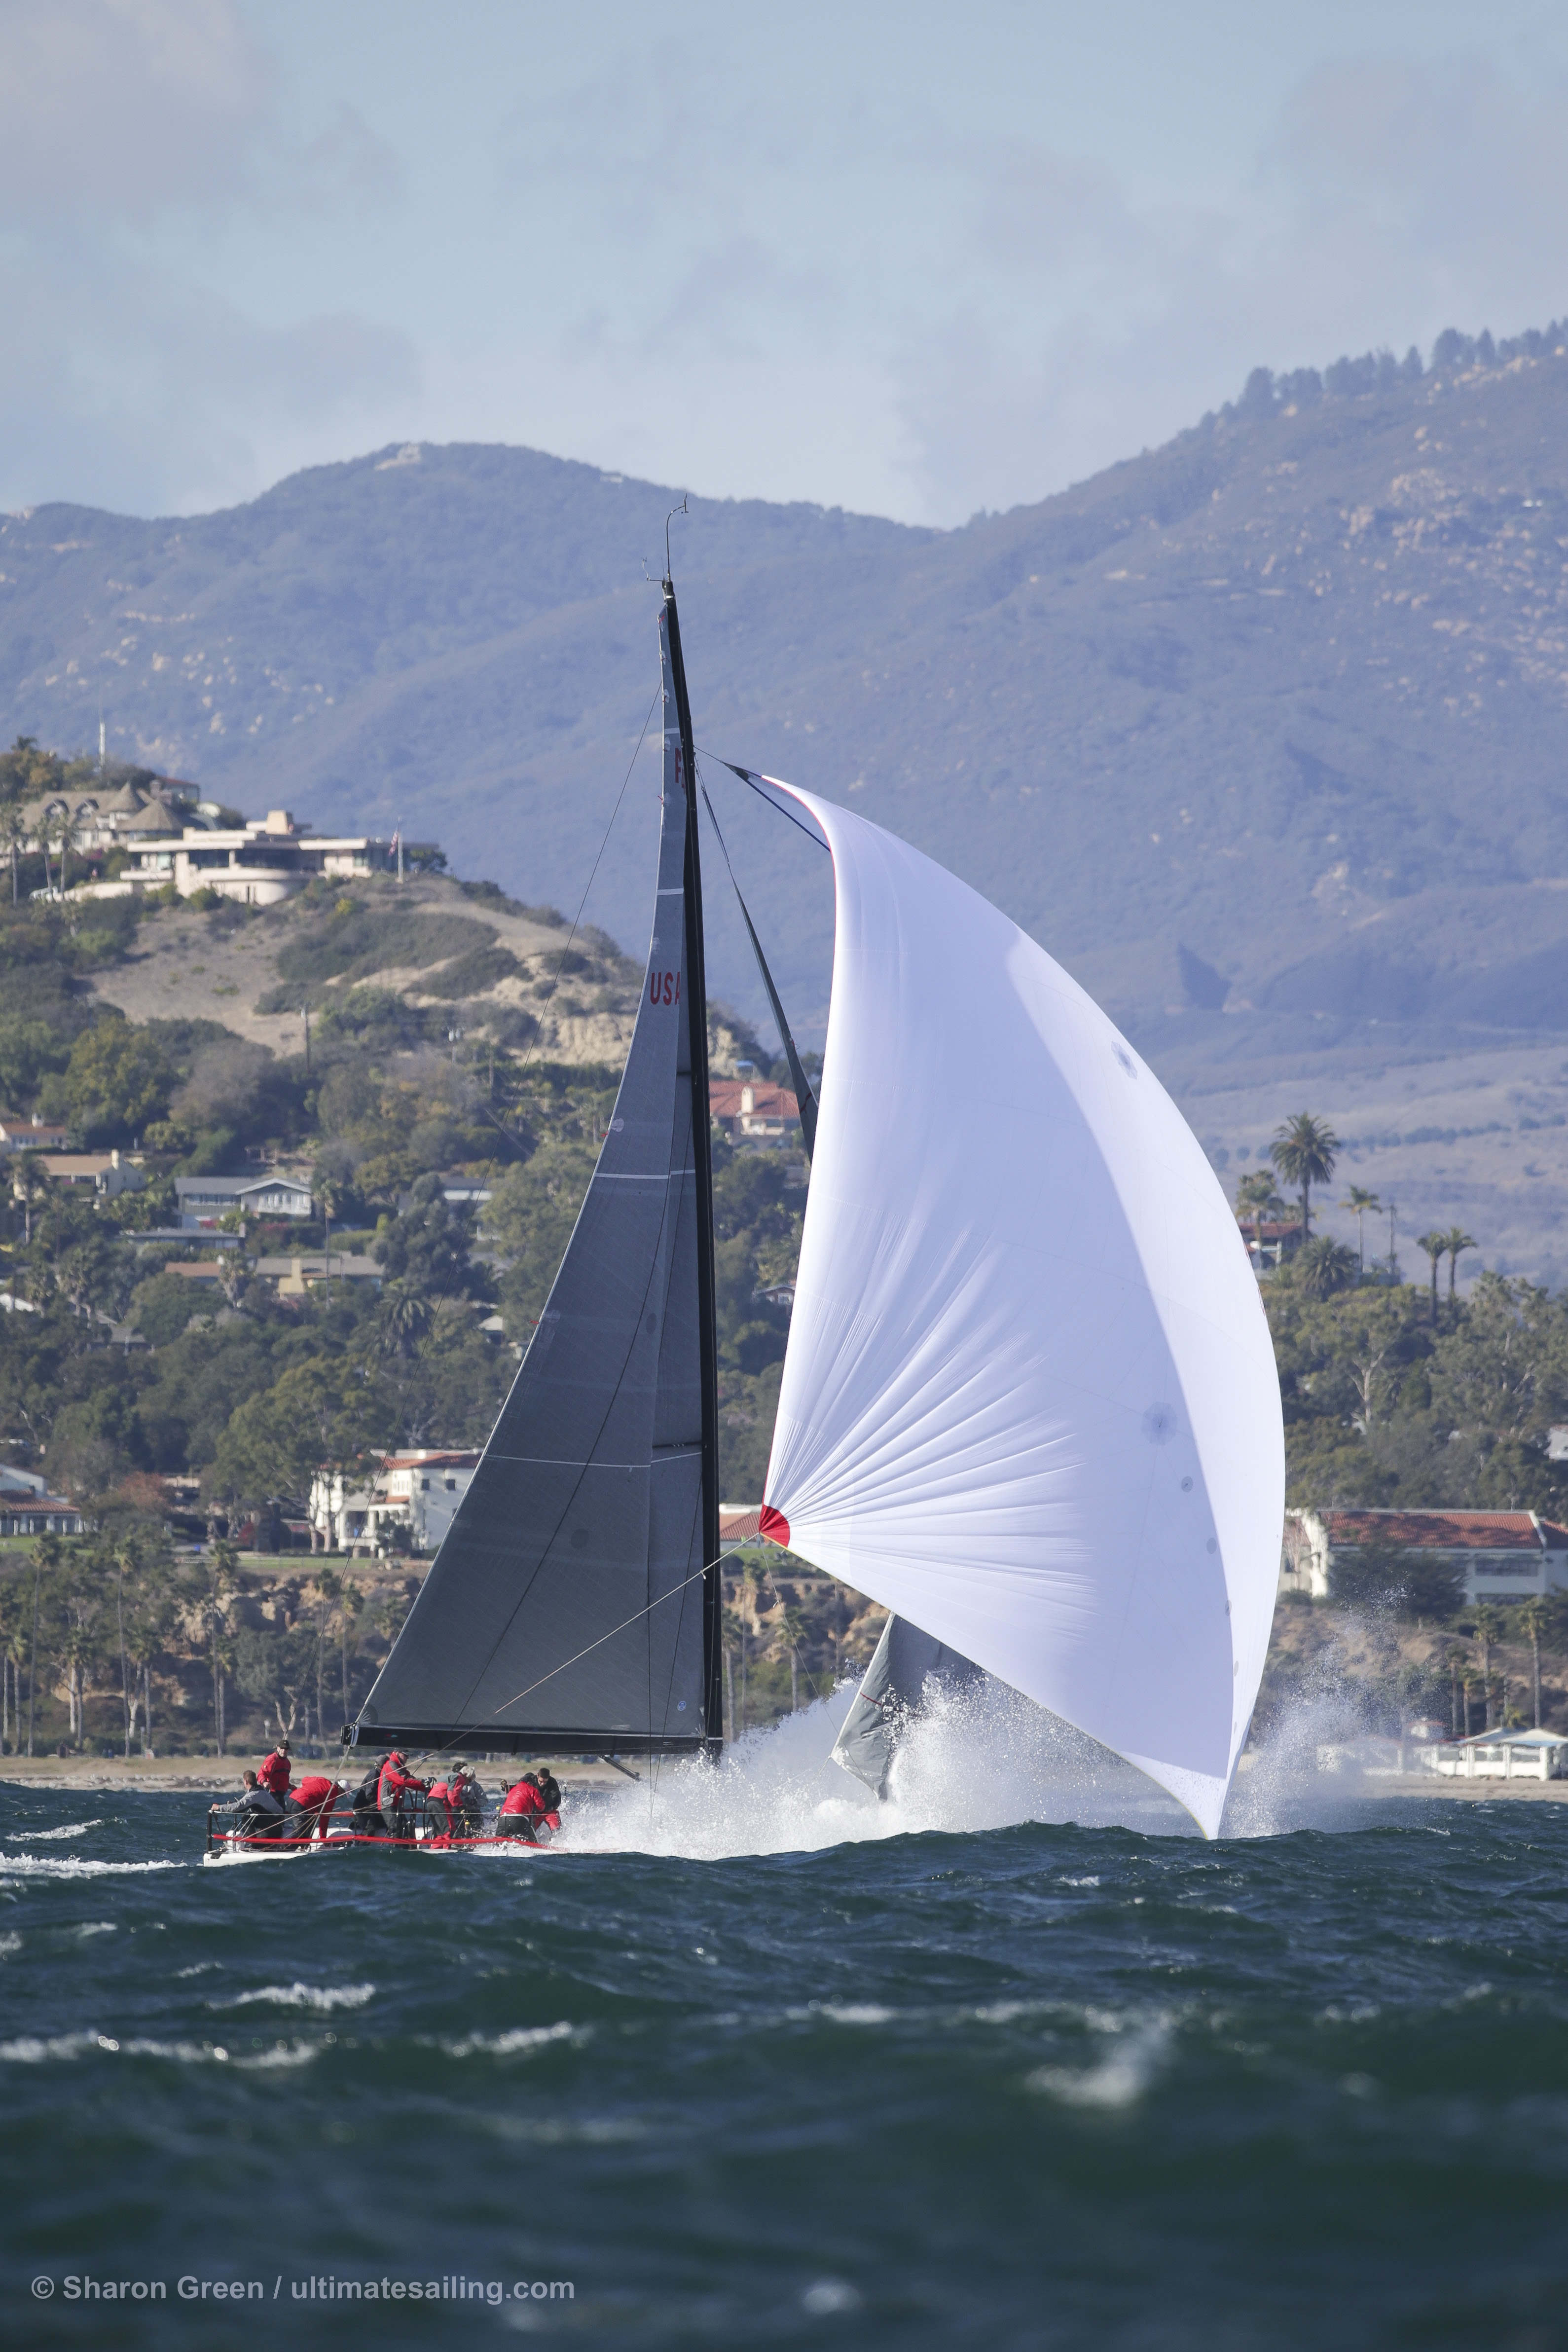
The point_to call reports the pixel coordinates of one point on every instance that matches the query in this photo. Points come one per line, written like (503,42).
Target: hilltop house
(419,1491)
(203,1200)
(257,862)
(1503,1555)
(751,1111)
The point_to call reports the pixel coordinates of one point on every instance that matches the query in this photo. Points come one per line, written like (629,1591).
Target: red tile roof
(1446,1530)
(767,1101)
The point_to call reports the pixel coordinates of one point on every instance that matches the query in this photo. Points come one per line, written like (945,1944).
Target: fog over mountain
(1261,732)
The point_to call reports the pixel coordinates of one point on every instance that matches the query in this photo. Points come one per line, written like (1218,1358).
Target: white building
(106,1172)
(419,1490)
(27,1507)
(267,858)
(203,1200)
(22,1132)
(1501,1756)
(1503,1555)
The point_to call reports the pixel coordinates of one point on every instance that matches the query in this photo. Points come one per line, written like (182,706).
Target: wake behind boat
(1029,1401)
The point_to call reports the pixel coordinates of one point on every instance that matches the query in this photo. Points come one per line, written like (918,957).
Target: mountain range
(1261,732)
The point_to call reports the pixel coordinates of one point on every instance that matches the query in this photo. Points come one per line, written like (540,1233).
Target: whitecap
(521,2037)
(41,1865)
(847,2012)
(65,1829)
(32,2049)
(9,1943)
(95,1928)
(1120,2077)
(282,2054)
(825,2296)
(301,1996)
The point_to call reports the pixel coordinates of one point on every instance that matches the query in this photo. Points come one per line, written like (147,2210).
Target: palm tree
(403,1320)
(1455,1242)
(329,1191)
(1535,1617)
(1256,1198)
(1435,1246)
(1304,1152)
(792,1625)
(31,1183)
(1324,1265)
(67,832)
(1360,1203)
(1489,1629)
(12,833)
(1458,1657)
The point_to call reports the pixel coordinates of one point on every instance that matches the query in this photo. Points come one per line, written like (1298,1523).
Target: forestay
(565,1609)
(1029,1400)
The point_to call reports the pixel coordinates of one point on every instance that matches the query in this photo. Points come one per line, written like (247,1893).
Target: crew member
(276,1770)
(393,1789)
(258,1813)
(466,1800)
(524,1810)
(367,1820)
(454,1804)
(550,1796)
(309,1806)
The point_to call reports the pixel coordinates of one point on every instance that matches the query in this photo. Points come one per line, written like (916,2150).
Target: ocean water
(1017,2060)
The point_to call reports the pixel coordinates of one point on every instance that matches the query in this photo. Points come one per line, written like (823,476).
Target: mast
(702,1153)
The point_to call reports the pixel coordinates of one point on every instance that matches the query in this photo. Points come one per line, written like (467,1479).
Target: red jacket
(317,1792)
(526,1798)
(392,1784)
(274,1774)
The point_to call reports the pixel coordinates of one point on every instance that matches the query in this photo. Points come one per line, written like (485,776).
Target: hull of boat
(230,1852)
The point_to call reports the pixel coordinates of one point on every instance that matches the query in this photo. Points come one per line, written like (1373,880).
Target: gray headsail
(905,1661)
(574,1604)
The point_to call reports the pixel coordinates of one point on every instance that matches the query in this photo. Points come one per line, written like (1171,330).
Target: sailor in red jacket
(525,1806)
(393,1786)
(454,1804)
(276,1770)
(310,1806)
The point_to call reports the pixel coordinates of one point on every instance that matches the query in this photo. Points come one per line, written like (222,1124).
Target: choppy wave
(75,1865)
(324,1998)
(65,1829)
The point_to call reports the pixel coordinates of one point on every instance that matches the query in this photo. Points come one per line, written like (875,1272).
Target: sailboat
(1028,1402)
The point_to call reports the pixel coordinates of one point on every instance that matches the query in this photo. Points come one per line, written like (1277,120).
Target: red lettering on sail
(664,988)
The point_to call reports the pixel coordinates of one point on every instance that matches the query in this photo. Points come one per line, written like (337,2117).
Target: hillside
(1259,732)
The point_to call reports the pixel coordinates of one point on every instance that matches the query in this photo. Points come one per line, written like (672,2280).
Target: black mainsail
(574,1607)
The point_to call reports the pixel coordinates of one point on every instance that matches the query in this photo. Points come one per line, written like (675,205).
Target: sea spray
(975,1760)
(971,1760)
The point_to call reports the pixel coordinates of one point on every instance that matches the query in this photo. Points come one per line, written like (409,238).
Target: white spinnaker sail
(1029,1400)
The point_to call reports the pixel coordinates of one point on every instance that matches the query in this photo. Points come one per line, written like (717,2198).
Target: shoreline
(220,1775)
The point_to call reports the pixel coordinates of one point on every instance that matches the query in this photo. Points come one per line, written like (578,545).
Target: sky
(907,259)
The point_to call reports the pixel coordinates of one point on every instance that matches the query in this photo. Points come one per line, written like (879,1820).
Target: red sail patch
(774,1528)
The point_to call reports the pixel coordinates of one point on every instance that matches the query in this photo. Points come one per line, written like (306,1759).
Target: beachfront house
(1502,1555)
(1501,1755)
